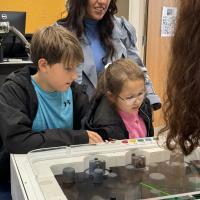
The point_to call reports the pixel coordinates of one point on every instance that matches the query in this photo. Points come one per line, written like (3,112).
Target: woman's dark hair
(182,103)
(74,21)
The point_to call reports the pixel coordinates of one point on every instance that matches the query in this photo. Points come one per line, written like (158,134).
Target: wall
(123,8)
(39,12)
(137,17)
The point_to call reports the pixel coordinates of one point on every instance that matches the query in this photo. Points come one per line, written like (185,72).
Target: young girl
(119,108)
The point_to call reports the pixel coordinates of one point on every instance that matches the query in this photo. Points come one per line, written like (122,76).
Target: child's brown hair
(56,44)
(114,76)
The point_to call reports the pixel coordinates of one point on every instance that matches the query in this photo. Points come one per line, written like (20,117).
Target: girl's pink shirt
(134,124)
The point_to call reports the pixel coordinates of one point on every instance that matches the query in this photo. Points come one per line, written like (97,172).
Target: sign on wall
(168,21)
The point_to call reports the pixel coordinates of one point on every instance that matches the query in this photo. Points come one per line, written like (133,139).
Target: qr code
(168,21)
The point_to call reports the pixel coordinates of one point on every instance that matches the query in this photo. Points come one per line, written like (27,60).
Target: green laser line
(153,188)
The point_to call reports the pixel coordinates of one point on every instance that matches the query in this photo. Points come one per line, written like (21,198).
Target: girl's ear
(110,96)
(42,64)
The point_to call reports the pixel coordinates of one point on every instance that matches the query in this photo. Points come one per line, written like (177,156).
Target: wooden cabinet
(157,50)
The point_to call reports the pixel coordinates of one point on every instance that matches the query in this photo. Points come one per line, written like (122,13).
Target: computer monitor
(12,45)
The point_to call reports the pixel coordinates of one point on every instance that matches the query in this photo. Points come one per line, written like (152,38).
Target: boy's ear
(42,64)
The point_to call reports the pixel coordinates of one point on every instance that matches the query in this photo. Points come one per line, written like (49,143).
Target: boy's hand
(94,137)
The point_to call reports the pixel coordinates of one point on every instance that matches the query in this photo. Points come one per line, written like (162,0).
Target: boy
(41,105)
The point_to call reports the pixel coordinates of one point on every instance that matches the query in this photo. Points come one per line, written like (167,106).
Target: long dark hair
(182,107)
(74,22)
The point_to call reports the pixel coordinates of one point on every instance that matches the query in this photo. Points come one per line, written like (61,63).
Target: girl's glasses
(131,100)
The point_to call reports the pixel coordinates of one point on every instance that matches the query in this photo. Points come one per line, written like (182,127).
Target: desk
(7,67)
(39,175)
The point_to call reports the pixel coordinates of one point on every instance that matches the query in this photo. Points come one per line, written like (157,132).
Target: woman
(181,109)
(104,38)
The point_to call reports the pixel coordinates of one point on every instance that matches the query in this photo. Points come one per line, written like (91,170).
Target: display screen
(12,46)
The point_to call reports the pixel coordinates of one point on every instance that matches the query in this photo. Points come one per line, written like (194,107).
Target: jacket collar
(118,32)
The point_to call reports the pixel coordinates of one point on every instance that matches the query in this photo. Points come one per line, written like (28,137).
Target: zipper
(148,121)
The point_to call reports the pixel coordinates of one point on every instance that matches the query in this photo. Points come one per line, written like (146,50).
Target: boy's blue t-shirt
(55,109)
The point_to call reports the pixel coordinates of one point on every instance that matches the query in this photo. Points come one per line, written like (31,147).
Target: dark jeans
(5,193)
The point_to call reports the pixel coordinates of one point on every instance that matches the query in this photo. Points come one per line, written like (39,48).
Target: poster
(168,21)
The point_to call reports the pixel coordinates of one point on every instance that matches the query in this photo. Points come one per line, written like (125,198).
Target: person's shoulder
(119,31)
(117,21)
(123,26)
(78,88)
(18,85)
(121,21)
(80,97)
(20,75)
(104,105)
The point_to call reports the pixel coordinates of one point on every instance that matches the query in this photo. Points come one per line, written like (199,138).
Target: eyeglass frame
(133,99)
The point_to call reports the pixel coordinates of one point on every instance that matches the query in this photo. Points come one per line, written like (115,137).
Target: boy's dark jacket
(104,119)
(18,107)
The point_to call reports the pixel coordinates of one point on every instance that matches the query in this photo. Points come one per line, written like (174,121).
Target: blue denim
(5,192)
